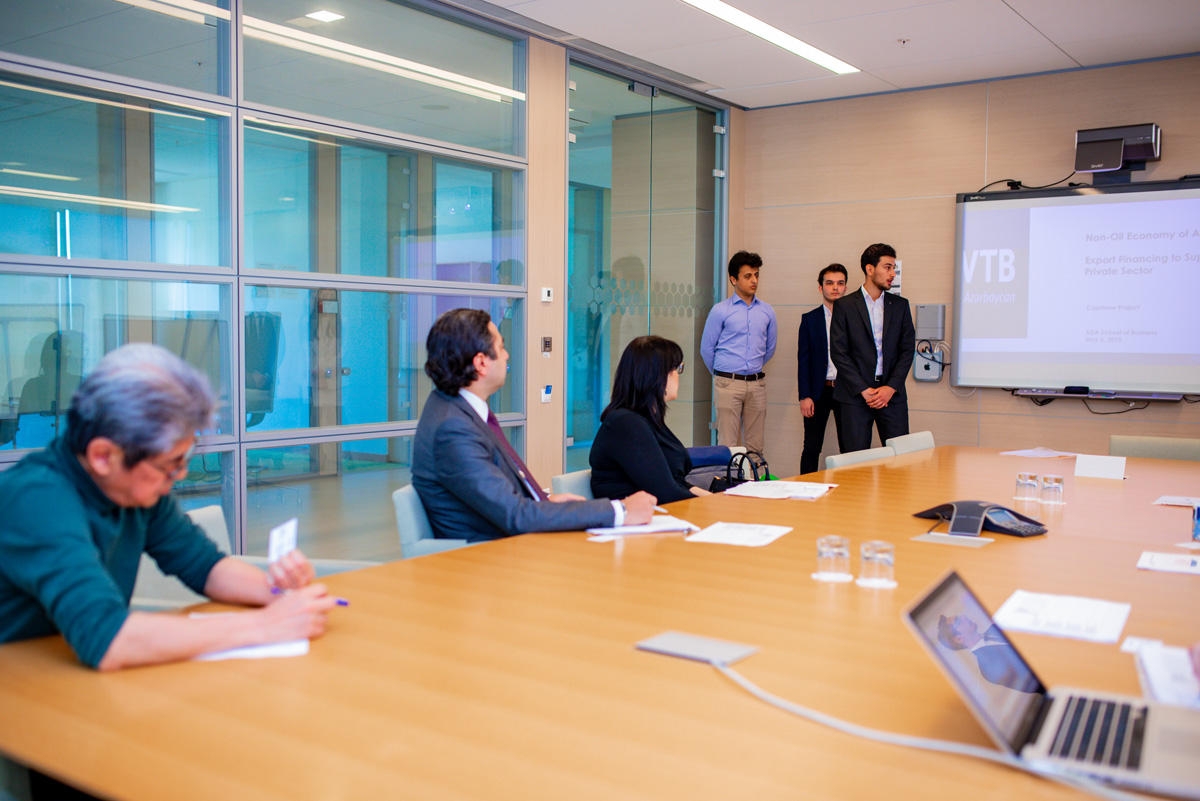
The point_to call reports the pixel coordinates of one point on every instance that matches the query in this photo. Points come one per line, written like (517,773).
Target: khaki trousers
(741,412)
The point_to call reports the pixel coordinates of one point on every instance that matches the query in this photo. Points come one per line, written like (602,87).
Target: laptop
(1123,740)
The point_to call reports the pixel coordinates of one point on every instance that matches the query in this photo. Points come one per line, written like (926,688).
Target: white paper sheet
(1167,675)
(794,490)
(268,651)
(1039,453)
(1178,500)
(282,540)
(1170,562)
(750,534)
(1063,616)
(1089,465)
(659,524)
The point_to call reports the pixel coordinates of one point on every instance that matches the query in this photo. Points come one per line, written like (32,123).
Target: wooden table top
(507,670)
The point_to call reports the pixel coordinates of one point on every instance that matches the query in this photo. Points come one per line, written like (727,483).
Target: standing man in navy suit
(471,482)
(872,342)
(815,372)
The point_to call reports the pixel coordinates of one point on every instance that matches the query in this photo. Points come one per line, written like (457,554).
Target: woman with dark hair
(634,449)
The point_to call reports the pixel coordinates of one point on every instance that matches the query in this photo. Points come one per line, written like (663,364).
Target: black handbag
(742,467)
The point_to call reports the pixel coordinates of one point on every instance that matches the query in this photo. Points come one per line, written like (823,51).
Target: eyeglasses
(679,369)
(177,468)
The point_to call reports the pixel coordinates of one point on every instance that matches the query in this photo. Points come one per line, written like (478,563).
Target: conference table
(507,670)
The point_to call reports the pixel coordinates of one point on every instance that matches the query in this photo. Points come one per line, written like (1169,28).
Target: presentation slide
(1079,290)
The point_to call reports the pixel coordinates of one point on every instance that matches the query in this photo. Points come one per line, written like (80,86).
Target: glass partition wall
(642,242)
(290,223)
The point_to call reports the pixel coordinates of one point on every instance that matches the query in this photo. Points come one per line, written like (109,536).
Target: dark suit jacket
(811,364)
(999,664)
(471,489)
(852,344)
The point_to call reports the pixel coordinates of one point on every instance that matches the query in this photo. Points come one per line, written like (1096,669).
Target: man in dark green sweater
(79,514)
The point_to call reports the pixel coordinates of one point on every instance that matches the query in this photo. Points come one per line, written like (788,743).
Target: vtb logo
(998,264)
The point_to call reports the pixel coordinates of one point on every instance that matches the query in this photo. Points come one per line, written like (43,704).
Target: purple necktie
(523,471)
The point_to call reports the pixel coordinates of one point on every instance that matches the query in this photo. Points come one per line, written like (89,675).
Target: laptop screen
(993,678)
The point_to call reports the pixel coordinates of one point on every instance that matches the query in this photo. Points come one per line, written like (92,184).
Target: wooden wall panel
(815,183)
(547,238)
(910,144)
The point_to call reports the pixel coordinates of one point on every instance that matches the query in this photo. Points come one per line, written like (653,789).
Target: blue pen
(338,601)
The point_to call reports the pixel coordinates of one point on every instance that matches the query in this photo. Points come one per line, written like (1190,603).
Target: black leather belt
(739,376)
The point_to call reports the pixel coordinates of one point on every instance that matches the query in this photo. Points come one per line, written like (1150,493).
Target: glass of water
(833,559)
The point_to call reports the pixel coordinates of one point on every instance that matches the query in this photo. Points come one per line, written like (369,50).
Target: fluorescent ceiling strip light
(263,126)
(103,102)
(734,16)
(92,200)
(49,175)
(304,41)
(189,10)
(374,65)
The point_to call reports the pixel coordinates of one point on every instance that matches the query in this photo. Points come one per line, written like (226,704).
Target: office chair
(577,483)
(154,590)
(416,535)
(907,443)
(1185,448)
(261,342)
(855,457)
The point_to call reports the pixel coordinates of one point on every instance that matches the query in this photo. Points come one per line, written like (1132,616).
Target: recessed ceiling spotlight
(903,42)
(325,16)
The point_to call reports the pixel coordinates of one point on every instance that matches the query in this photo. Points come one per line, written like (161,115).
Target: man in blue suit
(815,373)
(872,342)
(472,483)
(997,659)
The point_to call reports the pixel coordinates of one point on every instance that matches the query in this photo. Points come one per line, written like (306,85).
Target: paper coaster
(833,578)
(953,539)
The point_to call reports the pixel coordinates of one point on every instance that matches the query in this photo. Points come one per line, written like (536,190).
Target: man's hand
(298,614)
(291,571)
(878,397)
(639,508)
(807,407)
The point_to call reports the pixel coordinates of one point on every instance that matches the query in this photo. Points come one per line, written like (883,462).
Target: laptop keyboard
(1101,732)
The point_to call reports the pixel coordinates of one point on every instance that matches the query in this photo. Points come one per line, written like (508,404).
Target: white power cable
(924,743)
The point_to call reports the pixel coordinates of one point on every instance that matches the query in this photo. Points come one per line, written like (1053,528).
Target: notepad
(659,524)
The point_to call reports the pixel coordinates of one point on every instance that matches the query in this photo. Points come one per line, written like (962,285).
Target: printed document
(750,534)
(795,490)
(1063,616)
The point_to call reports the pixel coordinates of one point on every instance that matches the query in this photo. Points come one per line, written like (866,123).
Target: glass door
(640,244)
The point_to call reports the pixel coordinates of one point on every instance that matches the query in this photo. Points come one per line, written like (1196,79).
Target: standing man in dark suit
(472,483)
(872,342)
(815,373)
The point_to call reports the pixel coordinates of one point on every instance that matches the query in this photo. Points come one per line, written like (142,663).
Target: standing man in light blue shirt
(738,341)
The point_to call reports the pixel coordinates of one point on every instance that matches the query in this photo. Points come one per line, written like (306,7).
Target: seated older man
(79,514)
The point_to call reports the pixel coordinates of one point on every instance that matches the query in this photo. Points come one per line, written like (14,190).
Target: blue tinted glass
(329,357)
(150,41)
(389,67)
(109,177)
(53,330)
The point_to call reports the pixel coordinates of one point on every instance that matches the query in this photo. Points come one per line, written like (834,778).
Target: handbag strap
(752,459)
